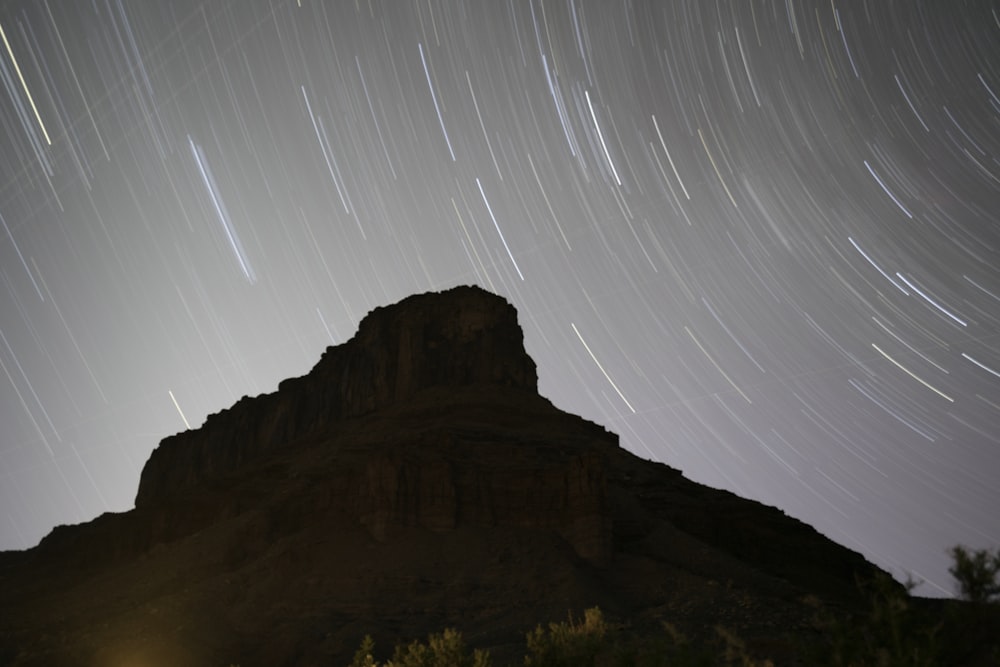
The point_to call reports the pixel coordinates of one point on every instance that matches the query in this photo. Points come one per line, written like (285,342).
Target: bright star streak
(179,411)
(24,85)
(913,375)
(603,372)
(495,224)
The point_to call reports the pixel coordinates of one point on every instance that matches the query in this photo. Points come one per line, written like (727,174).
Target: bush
(363,656)
(977,574)
(444,650)
(567,644)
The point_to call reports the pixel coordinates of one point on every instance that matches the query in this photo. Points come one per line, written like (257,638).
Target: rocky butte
(412,480)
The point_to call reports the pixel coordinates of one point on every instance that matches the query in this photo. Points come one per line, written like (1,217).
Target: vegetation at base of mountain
(895,630)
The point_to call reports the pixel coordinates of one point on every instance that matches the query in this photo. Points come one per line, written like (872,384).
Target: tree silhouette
(977,573)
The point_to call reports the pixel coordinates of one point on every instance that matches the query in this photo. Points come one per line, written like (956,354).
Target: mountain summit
(412,480)
(457,339)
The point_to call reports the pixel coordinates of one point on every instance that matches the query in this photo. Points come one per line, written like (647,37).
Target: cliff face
(462,337)
(412,480)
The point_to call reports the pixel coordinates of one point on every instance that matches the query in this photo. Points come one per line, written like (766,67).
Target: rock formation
(424,341)
(413,479)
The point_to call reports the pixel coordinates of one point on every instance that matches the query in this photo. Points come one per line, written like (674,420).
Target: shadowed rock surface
(412,480)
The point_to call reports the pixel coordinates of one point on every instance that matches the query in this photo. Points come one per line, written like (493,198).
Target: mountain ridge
(414,478)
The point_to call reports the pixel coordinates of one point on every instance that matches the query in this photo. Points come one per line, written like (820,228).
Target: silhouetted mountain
(413,479)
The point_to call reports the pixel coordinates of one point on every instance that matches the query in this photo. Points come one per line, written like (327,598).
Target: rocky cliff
(462,337)
(413,479)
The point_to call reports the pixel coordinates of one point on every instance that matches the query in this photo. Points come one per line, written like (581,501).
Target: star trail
(759,240)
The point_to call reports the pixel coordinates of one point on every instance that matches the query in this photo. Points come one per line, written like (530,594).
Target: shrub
(363,656)
(977,573)
(568,643)
(444,650)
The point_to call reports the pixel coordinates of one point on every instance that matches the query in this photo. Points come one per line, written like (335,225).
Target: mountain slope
(413,479)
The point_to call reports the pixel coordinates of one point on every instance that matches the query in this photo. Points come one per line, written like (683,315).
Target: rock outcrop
(412,480)
(462,337)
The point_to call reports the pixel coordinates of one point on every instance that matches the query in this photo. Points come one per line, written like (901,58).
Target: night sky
(759,240)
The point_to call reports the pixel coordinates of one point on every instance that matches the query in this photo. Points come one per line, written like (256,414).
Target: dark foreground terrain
(415,480)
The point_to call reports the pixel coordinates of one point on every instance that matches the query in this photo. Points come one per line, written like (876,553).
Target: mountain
(414,479)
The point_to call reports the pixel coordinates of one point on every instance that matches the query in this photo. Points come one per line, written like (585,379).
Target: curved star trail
(757,239)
